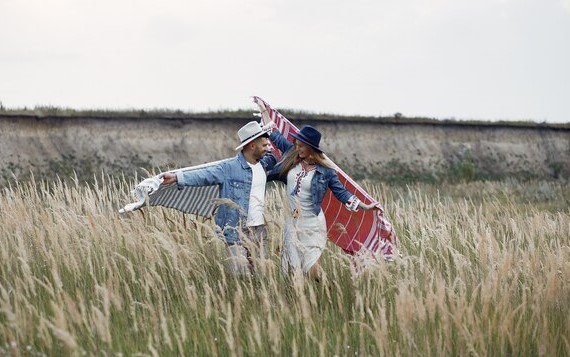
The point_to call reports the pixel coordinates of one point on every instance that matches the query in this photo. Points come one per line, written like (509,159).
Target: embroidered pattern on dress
(305,169)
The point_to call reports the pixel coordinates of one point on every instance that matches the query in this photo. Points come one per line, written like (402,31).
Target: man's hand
(169,178)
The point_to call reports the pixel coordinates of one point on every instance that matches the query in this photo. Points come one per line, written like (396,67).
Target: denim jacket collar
(243,161)
(321,169)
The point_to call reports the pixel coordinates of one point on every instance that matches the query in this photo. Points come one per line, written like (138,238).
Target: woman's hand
(370,206)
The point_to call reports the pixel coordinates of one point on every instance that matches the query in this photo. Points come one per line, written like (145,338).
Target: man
(241,180)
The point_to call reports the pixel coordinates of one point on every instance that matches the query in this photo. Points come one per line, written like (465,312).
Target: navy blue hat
(309,136)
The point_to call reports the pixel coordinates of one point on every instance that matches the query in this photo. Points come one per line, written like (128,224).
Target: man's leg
(238,259)
(257,250)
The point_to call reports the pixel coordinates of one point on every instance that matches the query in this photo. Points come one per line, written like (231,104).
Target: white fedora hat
(252,131)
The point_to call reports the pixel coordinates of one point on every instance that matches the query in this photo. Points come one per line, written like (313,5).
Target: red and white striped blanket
(357,233)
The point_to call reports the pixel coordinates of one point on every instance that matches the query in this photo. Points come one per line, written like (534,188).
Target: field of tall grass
(484,270)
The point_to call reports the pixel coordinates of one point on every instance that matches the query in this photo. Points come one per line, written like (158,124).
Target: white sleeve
(353,203)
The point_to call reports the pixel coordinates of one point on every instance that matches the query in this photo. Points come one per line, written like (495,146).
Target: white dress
(305,235)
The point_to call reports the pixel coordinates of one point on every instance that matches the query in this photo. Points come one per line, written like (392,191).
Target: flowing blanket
(357,233)
(195,200)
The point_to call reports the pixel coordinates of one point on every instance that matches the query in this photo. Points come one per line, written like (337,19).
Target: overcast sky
(463,59)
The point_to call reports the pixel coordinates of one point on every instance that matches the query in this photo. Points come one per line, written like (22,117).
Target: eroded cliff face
(364,149)
(490,151)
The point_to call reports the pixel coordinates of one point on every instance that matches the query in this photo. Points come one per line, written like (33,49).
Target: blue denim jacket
(324,177)
(234,177)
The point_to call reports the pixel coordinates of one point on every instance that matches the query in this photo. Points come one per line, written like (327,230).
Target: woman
(308,174)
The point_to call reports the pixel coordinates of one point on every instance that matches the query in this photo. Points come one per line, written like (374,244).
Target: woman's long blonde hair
(291,158)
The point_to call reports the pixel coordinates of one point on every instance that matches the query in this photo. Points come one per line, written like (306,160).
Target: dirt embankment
(364,149)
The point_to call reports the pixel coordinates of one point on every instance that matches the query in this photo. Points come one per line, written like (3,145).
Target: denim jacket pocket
(236,188)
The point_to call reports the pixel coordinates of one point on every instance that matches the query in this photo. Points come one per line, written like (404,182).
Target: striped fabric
(357,233)
(195,200)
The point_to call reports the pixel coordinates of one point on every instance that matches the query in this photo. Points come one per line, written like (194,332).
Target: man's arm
(213,175)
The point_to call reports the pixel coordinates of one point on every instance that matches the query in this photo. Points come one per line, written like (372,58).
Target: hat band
(249,137)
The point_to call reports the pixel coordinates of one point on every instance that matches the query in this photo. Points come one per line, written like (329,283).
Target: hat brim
(301,138)
(249,140)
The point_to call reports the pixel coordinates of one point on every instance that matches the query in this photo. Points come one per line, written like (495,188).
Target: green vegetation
(86,169)
(484,271)
(298,115)
(82,169)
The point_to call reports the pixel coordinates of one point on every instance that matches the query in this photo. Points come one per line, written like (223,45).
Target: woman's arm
(370,206)
(280,141)
(349,199)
